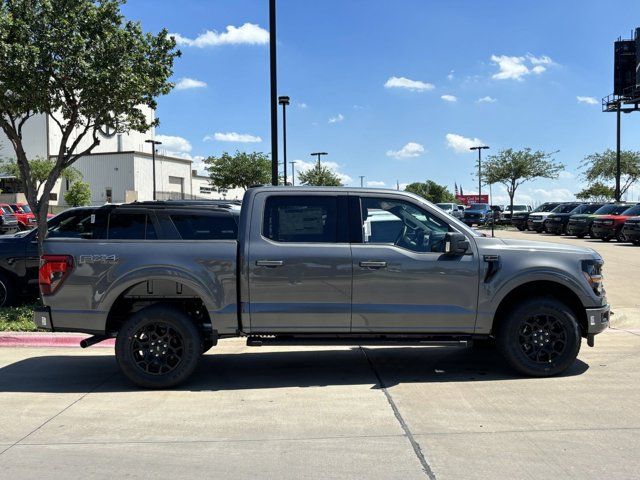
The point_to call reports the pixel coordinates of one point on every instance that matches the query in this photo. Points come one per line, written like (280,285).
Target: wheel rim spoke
(542,338)
(157,348)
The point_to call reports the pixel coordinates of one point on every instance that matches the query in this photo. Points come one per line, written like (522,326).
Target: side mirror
(455,243)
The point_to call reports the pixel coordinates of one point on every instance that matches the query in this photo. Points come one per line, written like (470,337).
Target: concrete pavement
(334,412)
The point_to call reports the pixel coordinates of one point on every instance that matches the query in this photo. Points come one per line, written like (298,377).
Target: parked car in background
(137,221)
(505,216)
(477,214)
(535,220)
(553,222)
(451,209)
(581,225)
(631,230)
(8,221)
(606,227)
(558,221)
(24,214)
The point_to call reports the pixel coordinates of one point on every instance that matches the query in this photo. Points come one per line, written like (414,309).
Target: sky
(398,91)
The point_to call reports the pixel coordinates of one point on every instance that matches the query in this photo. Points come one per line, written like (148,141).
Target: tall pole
(274,92)
(153,160)
(319,154)
(479,149)
(617,194)
(293,173)
(284,101)
(361,181)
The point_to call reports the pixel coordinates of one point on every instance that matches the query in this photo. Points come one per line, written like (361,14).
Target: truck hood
(529,246)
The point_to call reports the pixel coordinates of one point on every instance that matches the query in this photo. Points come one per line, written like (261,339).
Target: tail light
(54,269)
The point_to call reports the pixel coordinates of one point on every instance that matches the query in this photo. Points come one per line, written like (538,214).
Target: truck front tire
(539,337)
(158,347)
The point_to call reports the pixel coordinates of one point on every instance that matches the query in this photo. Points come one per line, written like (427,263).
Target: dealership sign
(469,199)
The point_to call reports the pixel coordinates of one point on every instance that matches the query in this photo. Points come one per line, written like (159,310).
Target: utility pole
(479,148)
(319,154)
(361,181)
(284,101)
(274,92)
(293,173)
(153,160)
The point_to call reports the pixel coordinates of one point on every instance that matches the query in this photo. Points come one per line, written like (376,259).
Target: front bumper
(602,231)
(537,225)
(597,319)
(554,227)
(632,232)
(578,228)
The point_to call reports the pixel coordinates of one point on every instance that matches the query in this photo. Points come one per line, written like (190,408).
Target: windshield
(587,208)
(6,210)
(611,209)
(478,206)
(546,207)
(25,208)
(565,208)
(633,211)
(445,206)
(519,208)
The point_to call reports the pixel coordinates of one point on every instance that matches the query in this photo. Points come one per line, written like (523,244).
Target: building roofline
(139,154)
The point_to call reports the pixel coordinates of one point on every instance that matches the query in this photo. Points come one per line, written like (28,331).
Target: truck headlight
(592,271)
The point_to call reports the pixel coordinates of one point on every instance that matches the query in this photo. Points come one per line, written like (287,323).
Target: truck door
(402,280)
(299,263)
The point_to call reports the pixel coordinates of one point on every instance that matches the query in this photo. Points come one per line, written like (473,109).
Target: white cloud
(303,166)
(517,67)
(375,183)
(566,175)
(232,137)
(410,150)
(337,118)
(301,105)
(450,76)
(553,194)
(408,84)
(449,98)
(487,99)
(173,144)
(248,33)
(187,83)
(460,144)
(587,100)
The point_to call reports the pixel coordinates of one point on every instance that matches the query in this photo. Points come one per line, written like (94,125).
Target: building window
(108,193)
(53,197)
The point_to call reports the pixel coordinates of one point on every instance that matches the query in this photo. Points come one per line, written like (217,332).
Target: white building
(120,168)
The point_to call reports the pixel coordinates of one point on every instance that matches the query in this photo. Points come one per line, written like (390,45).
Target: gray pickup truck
(324,266)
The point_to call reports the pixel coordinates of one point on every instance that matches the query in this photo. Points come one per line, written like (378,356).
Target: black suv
(557,222)
(19,260)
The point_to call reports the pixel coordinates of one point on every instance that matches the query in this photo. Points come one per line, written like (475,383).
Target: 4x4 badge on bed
(98,259)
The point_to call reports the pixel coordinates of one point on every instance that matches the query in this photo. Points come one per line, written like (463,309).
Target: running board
(382,340)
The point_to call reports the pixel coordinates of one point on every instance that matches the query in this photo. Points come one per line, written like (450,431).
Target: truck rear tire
(158,347)
(7,292)
(540,337)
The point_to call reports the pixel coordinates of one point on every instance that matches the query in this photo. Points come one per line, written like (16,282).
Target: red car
(610,226)
(24,215)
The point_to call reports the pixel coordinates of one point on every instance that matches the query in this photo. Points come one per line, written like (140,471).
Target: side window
(205,227)
(130,226)
(307,219)
(400,223)
(84,225)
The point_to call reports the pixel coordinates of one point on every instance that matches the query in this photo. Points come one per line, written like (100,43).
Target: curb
(46,339)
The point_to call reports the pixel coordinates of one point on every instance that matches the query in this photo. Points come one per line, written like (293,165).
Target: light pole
(361,180)
(319,154)
(284,101)
(153,160)
(274,92)
(479,148)
(293,173)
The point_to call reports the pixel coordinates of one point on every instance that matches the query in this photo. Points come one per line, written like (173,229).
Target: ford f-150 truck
(324,266)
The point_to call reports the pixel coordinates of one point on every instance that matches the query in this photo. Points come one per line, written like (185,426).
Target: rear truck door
(402,280)
(299,263)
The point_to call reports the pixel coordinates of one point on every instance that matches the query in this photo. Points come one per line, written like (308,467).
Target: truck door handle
(269,263)
(373,264)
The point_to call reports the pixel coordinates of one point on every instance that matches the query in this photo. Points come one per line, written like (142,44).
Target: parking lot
(334,412)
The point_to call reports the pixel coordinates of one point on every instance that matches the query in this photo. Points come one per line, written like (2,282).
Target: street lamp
(293,173)
(319,154)
(479,148)
(153,159)
(361,180)
(284,101)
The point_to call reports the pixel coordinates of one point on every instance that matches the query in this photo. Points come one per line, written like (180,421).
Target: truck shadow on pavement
(261,369)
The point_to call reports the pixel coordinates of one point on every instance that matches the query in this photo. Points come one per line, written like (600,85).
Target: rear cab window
(205,226)
(131,226)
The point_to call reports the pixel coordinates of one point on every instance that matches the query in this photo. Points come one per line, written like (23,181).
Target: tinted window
(403,224)
(633,211)
(590,208)
(25,208)
(611,209)
(478,206)
(131,226)
(205,227)
(301,219)
(85,225)
(565,208)
(546,207)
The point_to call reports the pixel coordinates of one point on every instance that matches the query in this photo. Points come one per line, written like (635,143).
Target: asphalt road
(332,412)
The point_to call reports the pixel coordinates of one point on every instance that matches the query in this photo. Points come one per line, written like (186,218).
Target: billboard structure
(469,199)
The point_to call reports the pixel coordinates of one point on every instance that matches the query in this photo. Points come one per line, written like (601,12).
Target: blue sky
(397,91)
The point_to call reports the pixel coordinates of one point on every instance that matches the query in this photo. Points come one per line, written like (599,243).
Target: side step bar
(382,340)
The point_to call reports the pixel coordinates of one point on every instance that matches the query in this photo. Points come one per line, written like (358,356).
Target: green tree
(596,192)
(432,191)
(40,169)
(320,176)
(239,170)
(601,167)
(512,168)
(78,195)
(84,66)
